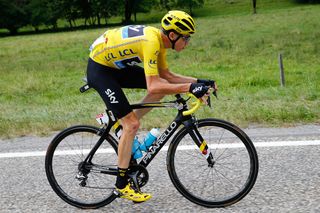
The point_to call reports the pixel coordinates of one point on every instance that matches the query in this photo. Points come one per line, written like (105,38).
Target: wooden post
(254,4)
(282,79)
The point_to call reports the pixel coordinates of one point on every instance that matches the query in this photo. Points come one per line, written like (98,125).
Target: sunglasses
(186,38)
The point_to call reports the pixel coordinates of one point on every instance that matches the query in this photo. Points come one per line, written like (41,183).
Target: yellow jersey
(130,45)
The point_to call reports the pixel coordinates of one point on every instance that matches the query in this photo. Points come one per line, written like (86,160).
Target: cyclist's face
(182,42)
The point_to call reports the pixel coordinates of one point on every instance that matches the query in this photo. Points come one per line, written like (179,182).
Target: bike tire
(63,158)
(234,154)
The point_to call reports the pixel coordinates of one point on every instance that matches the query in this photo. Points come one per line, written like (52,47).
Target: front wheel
(225,181)
(79,183)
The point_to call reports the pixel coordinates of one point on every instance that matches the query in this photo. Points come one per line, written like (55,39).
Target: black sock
(122,178)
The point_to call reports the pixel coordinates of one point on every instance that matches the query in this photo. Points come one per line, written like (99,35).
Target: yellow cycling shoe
(131,194)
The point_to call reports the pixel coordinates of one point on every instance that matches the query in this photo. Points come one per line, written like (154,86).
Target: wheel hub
(82,175)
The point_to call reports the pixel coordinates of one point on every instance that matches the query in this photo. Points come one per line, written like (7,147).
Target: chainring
(140,173)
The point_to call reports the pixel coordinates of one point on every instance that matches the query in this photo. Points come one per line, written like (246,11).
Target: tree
(106,9)
(165,4)
(128,7)
(97,6)
(189,4)
(38,13)
(135,6)
(142,6)
(55,11)
(85,11)
(13,15)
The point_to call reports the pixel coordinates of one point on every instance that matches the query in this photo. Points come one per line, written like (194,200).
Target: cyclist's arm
(157,85)
(152,65)
(174,77)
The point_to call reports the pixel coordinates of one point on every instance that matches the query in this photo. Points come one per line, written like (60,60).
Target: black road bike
(211,162)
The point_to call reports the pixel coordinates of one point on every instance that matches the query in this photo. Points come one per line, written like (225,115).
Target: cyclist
(112,66)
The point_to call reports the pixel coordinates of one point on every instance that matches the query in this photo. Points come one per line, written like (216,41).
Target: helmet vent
(181,26)
(188,23)
(166,22)
(190,19)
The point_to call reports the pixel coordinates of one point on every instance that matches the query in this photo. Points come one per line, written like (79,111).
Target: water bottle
(149,139)
(136,152)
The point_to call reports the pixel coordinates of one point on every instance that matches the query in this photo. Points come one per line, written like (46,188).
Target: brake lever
(215,93)
(209,101)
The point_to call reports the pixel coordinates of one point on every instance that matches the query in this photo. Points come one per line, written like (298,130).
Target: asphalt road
(288,181)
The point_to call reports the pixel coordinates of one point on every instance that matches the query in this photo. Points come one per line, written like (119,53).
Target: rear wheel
(228,179)
(81,184)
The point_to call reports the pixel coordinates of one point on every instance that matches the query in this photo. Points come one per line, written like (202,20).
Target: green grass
(40,75)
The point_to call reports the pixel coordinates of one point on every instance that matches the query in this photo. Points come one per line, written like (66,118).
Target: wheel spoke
(213,182)
(225,177)
(219,141)
(225,157)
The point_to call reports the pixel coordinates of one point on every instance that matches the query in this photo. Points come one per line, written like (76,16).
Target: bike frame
(187,120)
(165,136)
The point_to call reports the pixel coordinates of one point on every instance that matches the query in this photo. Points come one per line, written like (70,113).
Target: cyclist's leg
(106,82)
(130,125)
(126,76)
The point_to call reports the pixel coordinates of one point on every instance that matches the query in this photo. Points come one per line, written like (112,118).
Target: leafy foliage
(38,13)
(18,13)
(189,4)
(13,15)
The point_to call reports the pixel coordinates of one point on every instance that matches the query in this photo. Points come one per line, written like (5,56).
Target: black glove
(209,83)
(198,89)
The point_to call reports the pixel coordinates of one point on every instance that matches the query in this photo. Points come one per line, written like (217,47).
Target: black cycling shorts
(108,82)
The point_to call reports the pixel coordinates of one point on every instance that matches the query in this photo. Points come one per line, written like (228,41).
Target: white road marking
(165,148)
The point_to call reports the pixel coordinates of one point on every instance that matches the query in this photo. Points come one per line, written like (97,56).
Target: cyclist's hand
(206,82)
(210,83)
(198,89)
(206,98)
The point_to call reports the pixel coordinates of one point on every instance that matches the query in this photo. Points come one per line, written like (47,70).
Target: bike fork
(200,142)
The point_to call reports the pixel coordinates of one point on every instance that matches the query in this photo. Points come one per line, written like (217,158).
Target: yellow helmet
(178,21)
